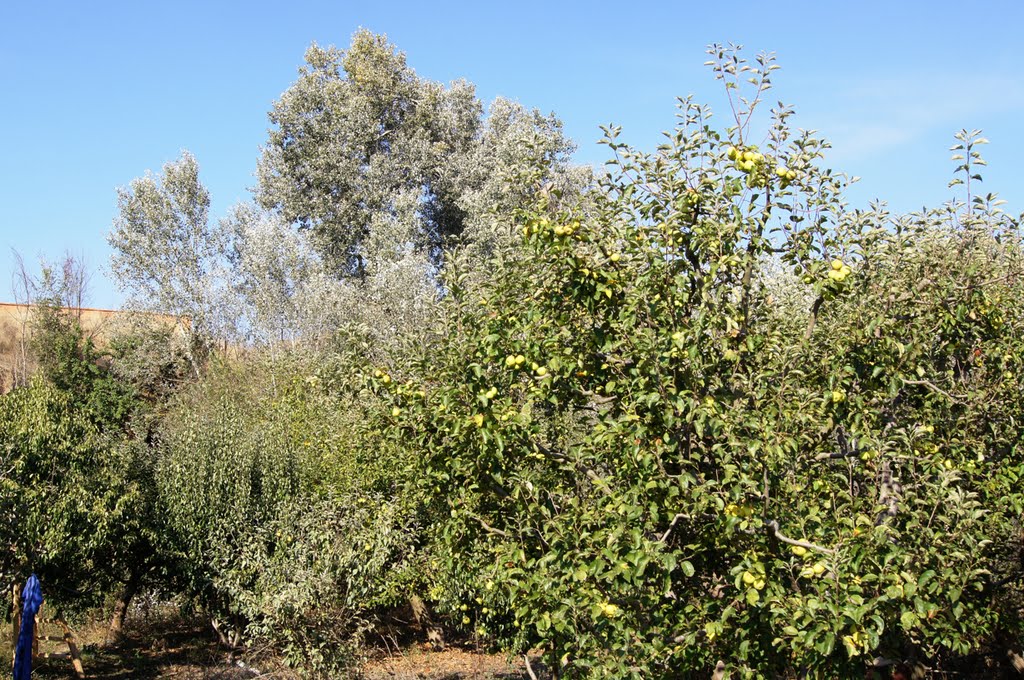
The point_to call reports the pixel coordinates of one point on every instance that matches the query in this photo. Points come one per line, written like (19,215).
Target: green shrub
(286,507)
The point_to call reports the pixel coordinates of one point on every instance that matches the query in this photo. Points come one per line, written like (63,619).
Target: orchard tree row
(689,413)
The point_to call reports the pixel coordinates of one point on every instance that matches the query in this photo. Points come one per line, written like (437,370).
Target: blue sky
(94,94)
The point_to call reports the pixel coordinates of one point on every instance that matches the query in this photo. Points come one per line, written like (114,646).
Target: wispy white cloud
(872,115)
(853,140)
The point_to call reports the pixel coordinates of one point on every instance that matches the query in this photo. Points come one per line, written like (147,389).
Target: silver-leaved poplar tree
(372,180)
(166,256)
(282,291)
(379,164)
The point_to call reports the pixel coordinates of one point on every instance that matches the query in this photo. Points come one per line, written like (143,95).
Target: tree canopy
(376,161)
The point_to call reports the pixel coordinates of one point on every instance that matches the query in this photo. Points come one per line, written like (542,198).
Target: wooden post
(35,635)
(76,657)
(17,622)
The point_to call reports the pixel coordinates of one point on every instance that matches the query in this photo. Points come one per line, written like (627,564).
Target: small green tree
(69,496)
(80,492)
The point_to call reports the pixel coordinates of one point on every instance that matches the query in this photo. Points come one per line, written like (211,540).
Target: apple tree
(721,420)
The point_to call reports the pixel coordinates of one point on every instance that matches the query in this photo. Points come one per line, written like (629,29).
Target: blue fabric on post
(32,599)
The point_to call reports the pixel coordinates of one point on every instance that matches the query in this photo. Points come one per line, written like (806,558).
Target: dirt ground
(171,646)
(451,664)
(184,649)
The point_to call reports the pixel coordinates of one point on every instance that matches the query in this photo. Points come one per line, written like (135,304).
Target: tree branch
(599,482)
(773,526)
(887,495)
(813,318)
(487,527)
(933,387)
(1009,579)
(529,669)
(671,526)
(1016,659)
(597,398)
(833,455)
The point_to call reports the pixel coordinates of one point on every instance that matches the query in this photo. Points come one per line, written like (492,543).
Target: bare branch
(671,526)
(887,495)
(599,482)
(813,319)
(774,527)
(598,399)
(1016,659)
(487,527)
(933,387)
(529,668)
(833,455)
(1009,579)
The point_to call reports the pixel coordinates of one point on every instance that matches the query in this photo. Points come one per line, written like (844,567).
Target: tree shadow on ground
(185,648)
(182,649)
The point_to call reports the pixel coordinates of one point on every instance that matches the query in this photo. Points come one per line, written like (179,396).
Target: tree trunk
(124,601)
(421,615)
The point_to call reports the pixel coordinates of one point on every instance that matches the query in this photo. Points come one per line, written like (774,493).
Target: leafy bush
(290,525)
